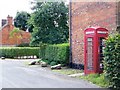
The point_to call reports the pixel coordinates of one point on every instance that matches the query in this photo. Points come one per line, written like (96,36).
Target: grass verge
(68,71)
(97,79)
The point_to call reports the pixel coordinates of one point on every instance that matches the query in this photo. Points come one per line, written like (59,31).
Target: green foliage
(58,54)
(21,20)
(36,5)
(14,31)
(11,52)
(50,21)
(97,79)
(112,61)
(53,63)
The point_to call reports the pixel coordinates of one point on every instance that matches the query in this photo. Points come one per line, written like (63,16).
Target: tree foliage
(21,20)
(50,21)
(14,31)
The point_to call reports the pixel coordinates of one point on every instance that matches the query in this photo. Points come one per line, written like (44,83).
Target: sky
(10,7)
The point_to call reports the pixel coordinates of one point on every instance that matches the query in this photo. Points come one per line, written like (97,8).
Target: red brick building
(89,14)
(18,38)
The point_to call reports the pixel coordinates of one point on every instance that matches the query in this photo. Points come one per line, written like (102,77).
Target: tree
(50,21)
(16,32)
(21,20)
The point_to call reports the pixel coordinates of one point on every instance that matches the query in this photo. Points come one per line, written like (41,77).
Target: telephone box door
(89,52)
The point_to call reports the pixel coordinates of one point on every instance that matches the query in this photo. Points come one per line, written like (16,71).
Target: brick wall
(87,14)
(18,38)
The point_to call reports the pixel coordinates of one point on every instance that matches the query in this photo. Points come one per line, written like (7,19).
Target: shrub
(58,53)
(11,52)
(112,61)
(42,51)
(53,63)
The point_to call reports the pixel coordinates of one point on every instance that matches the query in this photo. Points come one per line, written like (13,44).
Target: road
(16,74)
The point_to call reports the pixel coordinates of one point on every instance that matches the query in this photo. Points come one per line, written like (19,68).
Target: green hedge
(55,54)
(112,61)
(11,52)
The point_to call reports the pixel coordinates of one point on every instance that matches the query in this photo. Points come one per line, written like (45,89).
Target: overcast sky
(10,7)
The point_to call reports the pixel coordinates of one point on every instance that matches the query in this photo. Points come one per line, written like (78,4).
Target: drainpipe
(70,33)
(117,16)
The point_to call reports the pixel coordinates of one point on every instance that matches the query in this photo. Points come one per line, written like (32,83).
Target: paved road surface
(16,74)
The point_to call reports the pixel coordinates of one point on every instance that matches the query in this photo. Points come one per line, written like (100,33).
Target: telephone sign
(93,50)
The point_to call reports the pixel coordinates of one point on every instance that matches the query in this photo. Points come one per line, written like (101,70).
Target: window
(90,53)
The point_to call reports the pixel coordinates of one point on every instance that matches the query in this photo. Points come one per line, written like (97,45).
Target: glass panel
(90,54)
(101,48)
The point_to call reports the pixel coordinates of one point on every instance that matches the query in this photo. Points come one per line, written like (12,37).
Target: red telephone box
(93,49)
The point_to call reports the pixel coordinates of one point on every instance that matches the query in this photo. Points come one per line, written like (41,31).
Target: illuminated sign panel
(102,32)
(90,32)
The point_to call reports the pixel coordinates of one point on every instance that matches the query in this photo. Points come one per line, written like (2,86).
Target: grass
(97,79)
(68,71)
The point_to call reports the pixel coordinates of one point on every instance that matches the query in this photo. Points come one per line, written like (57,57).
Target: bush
(11,52)
(53,63)
(58,53)
(112,61)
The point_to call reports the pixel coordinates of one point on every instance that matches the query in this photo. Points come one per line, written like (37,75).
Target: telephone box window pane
(90,54)
(101,56)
